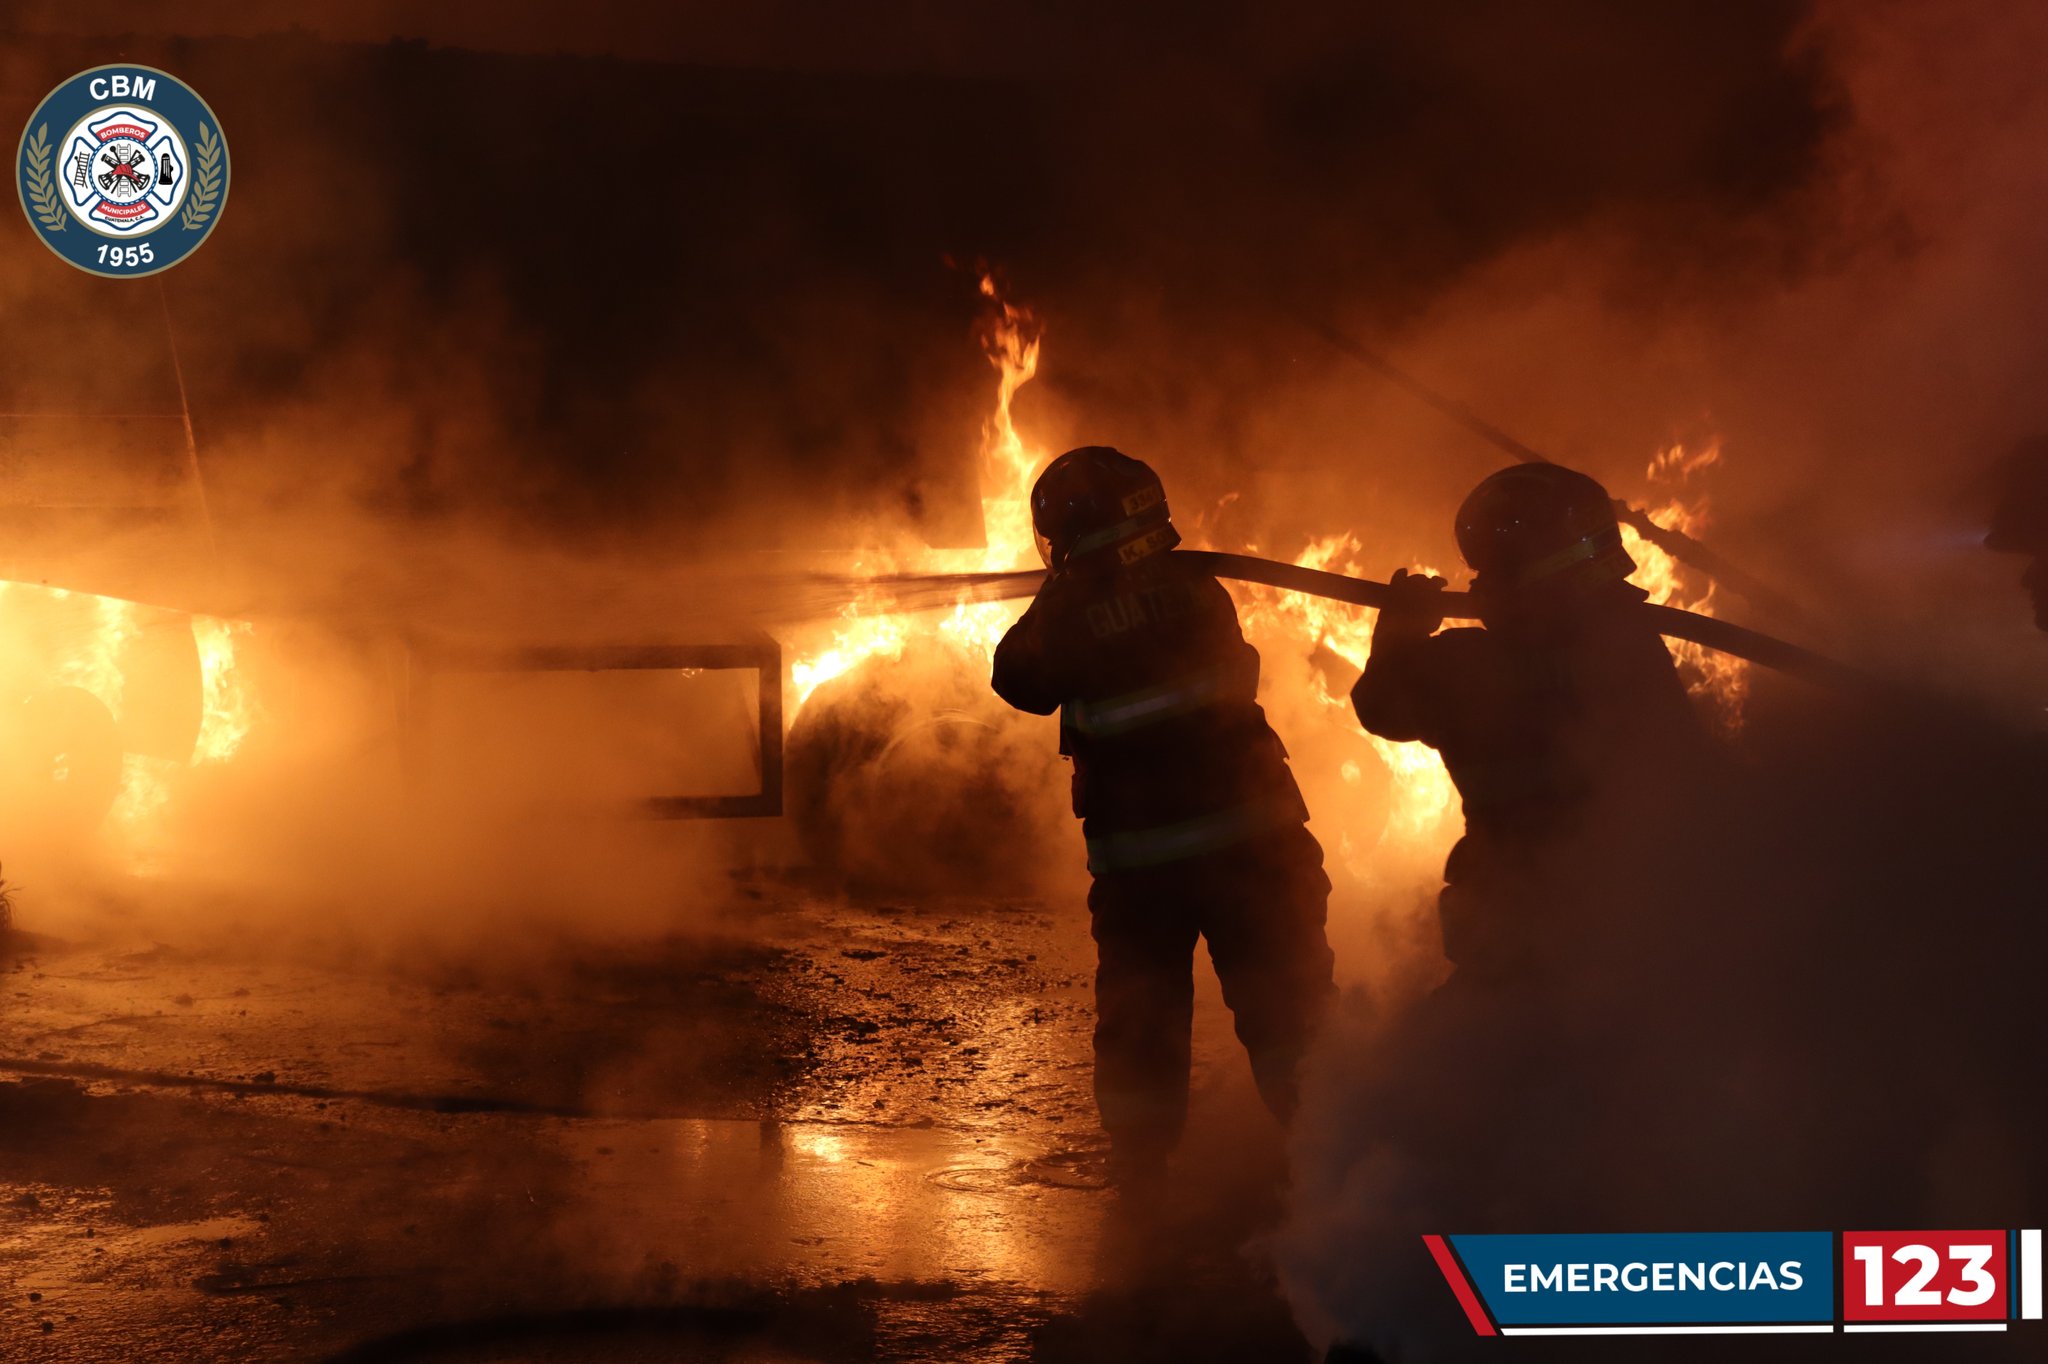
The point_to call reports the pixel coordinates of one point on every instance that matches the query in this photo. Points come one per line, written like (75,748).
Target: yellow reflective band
(1162,538)
(1136,709)
(1122,530)
(1143,498)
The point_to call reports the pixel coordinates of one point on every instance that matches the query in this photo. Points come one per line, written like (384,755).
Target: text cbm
(123,86)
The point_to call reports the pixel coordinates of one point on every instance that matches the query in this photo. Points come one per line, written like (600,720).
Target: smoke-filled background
(541,324)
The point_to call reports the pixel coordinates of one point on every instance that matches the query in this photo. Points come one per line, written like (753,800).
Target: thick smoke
(1793,991)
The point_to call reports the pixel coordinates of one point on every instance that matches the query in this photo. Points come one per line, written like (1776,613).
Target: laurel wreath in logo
(206,175)
(40,192)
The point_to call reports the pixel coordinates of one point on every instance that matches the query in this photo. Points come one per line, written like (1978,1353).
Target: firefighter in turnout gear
(1536,715)
(1194,825)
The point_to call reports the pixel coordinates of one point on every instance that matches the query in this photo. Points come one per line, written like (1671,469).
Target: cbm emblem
(123,170)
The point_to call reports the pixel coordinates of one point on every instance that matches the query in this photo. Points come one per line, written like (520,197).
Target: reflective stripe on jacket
(1149,705)
(1137,849)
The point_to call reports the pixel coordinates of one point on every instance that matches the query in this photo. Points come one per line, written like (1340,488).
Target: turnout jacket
(1534,728)
(1155,687)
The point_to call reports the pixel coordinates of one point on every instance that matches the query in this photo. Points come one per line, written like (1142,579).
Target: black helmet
(1544,524)
(1096,505)
(2019,520)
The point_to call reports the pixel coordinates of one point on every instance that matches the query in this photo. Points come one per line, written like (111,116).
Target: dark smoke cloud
(614,271)
(1788,997)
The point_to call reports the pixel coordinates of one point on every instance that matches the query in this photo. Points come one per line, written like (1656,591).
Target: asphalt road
(813,1128)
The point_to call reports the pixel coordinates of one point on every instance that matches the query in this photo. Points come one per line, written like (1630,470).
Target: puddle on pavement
(1061,1169)
(171,1233)
(827,1203)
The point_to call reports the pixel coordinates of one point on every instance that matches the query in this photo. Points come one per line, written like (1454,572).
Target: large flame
(229,708)
(92,656)
(1719,681)
(1419,790)
(1422,796)
(1272,620)
(91,661)
(865,629)
(1415,798)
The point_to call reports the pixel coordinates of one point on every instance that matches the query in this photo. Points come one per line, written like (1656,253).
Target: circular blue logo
(123,170)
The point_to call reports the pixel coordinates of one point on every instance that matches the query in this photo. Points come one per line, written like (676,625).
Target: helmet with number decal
(1544,525)
(1099,507)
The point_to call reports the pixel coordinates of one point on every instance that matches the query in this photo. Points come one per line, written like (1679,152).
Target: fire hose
(923,591)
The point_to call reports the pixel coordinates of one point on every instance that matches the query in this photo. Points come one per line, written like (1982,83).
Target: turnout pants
(1261,905)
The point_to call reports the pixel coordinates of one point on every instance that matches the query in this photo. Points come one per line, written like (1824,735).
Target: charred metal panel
(762,654)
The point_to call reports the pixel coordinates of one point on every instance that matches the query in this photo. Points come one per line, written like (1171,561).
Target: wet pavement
(813,1128)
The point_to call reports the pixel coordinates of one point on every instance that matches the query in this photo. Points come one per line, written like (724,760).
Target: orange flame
(1719,681)
(230,709)
(91,658)
(1420,790)
(1008,465)
(1420,799)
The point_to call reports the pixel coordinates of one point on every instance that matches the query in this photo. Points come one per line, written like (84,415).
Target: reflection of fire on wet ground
(872,1141)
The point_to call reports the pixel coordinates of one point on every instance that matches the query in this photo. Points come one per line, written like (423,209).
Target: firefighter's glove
(1414,607)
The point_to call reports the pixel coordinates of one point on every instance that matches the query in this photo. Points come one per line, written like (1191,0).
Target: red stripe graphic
(1460,1285)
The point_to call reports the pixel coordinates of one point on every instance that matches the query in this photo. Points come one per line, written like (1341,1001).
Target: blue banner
(1655,1279)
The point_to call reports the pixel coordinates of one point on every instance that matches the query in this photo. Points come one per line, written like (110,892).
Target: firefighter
(1193,823)
(1537,714)
(2019,521)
